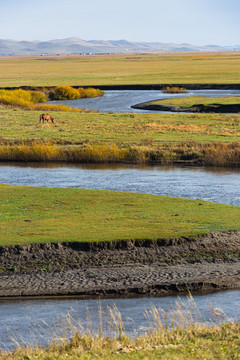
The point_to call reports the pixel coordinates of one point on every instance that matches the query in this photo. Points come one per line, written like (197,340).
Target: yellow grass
(183,128)
(208,154)
(95,70)
(184,339)
(20,98)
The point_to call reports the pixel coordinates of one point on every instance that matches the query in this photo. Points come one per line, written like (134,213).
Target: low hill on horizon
(75,45)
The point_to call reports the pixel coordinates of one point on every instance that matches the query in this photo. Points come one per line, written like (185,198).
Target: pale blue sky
(199,22)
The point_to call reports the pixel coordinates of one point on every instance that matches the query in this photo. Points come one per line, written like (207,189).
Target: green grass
(120,69)
(190,101)
(40,215)
(120,129)
(209,139)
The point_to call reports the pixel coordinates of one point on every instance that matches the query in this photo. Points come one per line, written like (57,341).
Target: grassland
(41,215)
(185,68)
(195,104)
(190,101)
(211,139)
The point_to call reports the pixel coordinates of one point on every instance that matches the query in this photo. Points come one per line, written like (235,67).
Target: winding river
(39,321)
(120,101)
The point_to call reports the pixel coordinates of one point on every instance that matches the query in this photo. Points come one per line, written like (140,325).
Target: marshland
(89,232)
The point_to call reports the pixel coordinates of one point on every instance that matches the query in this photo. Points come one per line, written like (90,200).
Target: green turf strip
(40,215)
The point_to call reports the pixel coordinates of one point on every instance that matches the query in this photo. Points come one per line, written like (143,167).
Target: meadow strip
(208,139)
(190,101)
(40,215)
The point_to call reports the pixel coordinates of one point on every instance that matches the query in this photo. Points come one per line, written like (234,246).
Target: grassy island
(41,215)
(198,104)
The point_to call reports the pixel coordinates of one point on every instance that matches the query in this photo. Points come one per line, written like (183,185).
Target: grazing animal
(46,117)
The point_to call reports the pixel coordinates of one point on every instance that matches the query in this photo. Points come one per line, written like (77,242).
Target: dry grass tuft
(179,339)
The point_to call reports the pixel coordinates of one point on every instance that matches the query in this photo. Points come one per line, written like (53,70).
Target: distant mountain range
(78,46)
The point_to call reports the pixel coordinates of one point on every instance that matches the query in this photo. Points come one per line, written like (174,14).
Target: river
(216,185)
(120,101)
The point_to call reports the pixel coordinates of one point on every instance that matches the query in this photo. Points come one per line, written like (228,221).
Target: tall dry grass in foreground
(176,334)
(210,154)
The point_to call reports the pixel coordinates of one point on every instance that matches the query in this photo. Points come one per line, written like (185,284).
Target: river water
(42,320)
(216,185)
(120,101)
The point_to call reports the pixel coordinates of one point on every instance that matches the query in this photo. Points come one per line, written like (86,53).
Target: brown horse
(46,117)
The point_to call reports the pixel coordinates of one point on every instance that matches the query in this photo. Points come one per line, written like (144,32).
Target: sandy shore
(122,268)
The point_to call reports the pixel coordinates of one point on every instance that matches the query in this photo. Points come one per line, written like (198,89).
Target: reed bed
(207,154)
(177,334)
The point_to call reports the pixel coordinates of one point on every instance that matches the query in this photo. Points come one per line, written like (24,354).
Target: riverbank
(159,86)
(183,340)
(194,104)
(220,109)
(124,268)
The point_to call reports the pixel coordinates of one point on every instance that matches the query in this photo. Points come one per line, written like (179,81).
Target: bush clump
(33,99)
(174,90)
(65,92)
(22,98)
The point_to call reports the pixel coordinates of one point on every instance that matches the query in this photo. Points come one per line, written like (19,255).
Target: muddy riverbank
(200,108)
(122,268)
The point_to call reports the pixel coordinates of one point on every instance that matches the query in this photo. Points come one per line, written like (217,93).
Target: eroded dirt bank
(122,268)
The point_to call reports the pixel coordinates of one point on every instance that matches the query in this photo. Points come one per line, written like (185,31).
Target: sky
(197,22)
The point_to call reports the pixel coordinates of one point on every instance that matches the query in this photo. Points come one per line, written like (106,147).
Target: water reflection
(117,166)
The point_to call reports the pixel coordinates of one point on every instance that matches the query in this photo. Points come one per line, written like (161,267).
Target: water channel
(41,320)
(120,101)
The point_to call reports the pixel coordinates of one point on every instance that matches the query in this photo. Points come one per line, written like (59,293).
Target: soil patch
(122,268)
